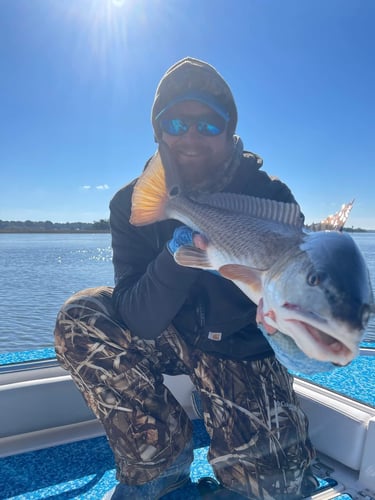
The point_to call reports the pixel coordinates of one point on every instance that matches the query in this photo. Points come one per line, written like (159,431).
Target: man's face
(195,155)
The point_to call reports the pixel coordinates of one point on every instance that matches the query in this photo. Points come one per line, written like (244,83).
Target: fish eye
(314,278)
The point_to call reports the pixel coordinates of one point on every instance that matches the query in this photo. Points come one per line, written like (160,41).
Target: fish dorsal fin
(191,256)
(261,208)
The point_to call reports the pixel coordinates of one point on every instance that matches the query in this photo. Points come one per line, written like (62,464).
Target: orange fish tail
(150,195)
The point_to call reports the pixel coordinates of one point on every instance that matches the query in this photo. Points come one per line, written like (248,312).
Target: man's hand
(182,236)
(261,318)
(200,241)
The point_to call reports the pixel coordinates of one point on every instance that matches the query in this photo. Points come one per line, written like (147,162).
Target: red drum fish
(313,287)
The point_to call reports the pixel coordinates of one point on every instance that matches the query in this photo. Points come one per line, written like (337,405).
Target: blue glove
(182,236)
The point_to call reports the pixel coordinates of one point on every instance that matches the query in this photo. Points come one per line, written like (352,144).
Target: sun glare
(101,30)
(118,3)
(107,35)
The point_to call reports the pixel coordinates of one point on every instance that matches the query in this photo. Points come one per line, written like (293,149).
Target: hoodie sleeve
(150,287)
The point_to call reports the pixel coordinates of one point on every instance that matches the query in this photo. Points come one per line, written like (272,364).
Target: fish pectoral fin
(191,256)
(239,272)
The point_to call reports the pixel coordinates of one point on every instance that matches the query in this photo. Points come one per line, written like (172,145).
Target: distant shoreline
(48,227)
(97,227)
(67,231)
(107,231)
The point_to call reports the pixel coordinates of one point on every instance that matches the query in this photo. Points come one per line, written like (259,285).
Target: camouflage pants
(259,443)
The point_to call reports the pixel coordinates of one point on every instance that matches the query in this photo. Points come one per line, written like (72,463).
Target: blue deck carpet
(85,470)
(81,470)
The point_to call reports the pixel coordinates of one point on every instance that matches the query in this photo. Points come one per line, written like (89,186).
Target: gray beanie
(192,79)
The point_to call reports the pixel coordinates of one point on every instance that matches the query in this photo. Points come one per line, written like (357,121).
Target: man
(162,318)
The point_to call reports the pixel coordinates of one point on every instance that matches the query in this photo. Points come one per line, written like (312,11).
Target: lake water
(38,272)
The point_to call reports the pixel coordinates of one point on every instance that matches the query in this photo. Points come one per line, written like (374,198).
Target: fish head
(320,294)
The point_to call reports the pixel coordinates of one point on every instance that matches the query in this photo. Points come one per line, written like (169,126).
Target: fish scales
(268,239)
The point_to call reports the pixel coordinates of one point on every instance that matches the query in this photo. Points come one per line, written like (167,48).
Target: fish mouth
(327,345)
(332,345)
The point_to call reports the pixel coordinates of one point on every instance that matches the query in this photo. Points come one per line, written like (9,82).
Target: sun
(118,3)
(102,31)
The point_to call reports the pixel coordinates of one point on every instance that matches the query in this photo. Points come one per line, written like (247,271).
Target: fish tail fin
(150,194)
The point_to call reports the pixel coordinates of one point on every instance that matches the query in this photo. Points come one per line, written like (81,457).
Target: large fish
(313,287)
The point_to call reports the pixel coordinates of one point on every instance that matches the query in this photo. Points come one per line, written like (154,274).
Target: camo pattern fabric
(259,443)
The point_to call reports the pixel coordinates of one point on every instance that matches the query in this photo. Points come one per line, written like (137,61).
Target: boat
(52,446)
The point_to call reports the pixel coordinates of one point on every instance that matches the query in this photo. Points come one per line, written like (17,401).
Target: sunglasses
(209,127)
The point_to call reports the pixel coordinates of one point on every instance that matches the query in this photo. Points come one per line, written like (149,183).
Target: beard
(197,177)
(200,171)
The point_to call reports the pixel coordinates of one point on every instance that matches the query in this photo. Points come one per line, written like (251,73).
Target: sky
(78,77)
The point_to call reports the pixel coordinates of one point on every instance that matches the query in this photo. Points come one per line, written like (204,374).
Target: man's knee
(76,315)
(98,299)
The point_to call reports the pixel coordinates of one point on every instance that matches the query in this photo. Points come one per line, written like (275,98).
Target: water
(38,272)
(366,242)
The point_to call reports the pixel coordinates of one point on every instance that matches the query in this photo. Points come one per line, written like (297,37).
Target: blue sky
(78,79)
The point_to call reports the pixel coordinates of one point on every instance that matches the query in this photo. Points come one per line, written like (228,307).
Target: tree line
(28,226)
(100,226)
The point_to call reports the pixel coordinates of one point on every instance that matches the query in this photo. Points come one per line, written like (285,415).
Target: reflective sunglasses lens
(209,129)
(173,126)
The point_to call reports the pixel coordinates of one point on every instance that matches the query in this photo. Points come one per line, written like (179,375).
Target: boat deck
(85,470)
(51,446)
